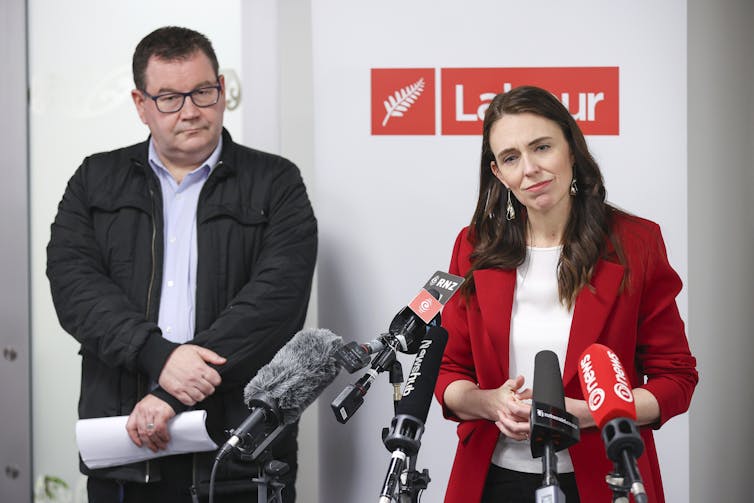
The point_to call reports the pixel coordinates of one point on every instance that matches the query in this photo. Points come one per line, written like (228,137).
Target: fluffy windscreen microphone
(283,388)
(605,385)
(298,373)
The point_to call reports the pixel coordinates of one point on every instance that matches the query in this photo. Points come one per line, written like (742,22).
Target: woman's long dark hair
(501,243)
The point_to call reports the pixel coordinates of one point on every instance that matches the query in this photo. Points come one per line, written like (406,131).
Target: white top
(538,321)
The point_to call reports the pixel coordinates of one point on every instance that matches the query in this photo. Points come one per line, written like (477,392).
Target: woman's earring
(510,211)
(574,187)
(490,212)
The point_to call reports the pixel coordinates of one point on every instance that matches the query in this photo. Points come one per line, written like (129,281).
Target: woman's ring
(150,426)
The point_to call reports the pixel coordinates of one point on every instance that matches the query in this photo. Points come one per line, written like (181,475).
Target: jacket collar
(140,156)
(227,163)
(593,305)
(495,289)
(494,292)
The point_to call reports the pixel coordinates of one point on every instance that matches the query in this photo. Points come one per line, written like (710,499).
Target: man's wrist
(172,401)
(153,355)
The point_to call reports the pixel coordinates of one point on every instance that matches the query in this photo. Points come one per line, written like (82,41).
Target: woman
(550,265)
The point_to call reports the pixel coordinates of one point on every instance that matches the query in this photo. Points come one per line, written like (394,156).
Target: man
(181,265)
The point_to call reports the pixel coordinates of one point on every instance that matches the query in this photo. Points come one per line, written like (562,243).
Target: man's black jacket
(257,245)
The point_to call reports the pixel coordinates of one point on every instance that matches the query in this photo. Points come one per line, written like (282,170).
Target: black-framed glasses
(203,97)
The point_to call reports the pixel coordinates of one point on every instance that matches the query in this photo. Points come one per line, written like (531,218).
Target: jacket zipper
(140,380)
(154,238)
(194,456)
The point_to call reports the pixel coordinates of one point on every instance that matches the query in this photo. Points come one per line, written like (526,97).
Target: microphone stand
(269,470)
(617,483)
(415,483)
(552,429)
(549,491)
(623,445)
(403,439)
(410,482)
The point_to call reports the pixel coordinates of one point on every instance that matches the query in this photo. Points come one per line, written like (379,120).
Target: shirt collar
(210,162)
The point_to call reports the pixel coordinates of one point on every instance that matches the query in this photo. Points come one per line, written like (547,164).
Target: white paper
(104,441)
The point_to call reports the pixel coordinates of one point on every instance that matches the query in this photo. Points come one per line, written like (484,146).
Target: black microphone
(552,428)
(404,334)
(294,378)
(355,356)
(407,427)
(408,326)
(406,331)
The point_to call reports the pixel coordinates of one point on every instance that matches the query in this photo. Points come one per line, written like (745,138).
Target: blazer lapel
(494,292)
(593,304)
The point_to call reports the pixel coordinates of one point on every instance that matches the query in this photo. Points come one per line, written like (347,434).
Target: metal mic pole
(550,491)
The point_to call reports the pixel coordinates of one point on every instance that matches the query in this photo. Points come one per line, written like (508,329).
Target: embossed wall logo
(403,101)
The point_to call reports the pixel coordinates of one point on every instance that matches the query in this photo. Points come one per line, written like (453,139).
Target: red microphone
(610,400)
(605,385)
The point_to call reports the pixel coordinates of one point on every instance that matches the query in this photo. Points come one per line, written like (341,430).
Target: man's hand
(187,374)
(148,423)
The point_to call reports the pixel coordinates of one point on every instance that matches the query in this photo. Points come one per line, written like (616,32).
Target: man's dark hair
(170,43)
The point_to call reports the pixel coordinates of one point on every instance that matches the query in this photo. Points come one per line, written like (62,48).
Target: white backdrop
(389,207)
(80,78)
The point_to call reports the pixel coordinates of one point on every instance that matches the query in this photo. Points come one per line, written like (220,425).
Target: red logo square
(425,306)
(403,101)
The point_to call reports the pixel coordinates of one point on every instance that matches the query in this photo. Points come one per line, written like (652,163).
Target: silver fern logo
(401,100)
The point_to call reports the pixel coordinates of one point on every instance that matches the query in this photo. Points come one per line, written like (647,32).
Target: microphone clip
(624,445)
(345,405)
(552,425)
(261,427)
(405,433)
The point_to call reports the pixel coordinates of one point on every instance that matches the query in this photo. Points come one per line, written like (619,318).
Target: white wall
(720,180)
(80,80)
(721,246)
(390,206)
(278,118)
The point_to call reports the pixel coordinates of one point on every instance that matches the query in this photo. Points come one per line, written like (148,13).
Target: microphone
(408,326)
(355,356)
(282,389)
(610,400)
(407,427)
(405,334)
(552,428)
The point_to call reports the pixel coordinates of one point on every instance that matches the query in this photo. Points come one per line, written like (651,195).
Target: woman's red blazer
(639,321)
